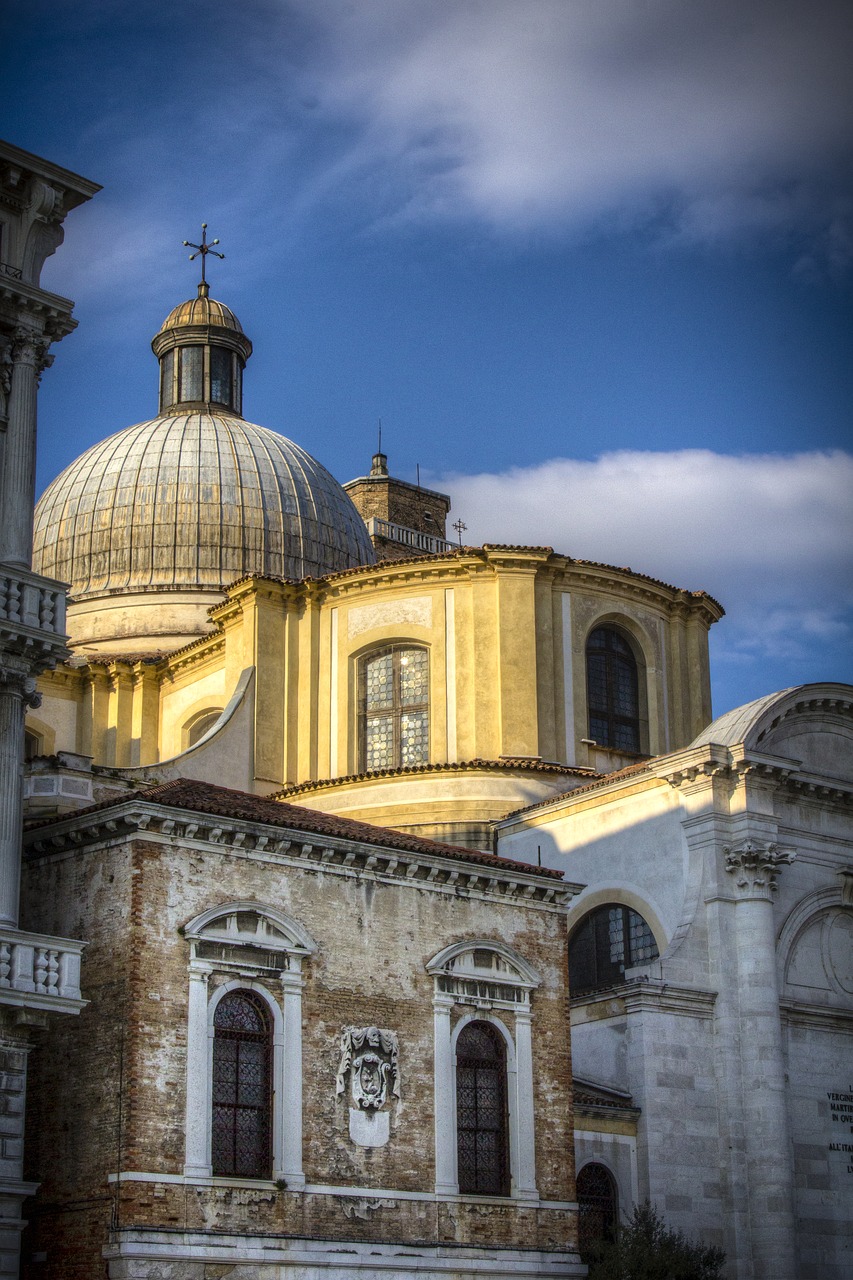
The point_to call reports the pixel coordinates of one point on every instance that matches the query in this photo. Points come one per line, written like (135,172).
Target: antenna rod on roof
(418,466)
(379,450)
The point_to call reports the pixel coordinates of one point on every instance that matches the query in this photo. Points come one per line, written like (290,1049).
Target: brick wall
(115,1077)
(400,502)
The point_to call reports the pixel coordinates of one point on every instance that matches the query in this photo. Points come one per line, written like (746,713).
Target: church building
(428,919)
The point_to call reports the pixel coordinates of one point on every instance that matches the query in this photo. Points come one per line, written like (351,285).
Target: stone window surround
(519,1068)
(361,658)
(286,1014)
(641,646)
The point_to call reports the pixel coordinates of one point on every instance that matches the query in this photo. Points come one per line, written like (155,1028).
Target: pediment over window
(248,931)
(483,970)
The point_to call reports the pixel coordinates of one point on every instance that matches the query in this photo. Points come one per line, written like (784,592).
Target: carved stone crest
(370,1063)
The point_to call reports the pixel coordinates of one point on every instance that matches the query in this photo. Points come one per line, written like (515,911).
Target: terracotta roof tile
(600,780)
(506,762)
(205,797)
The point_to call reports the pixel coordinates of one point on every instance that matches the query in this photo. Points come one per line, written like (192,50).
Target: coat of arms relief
(370,1063)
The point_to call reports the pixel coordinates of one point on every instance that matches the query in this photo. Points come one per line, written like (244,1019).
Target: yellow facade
(505,629)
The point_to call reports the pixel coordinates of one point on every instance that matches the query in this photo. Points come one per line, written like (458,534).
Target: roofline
(84,187)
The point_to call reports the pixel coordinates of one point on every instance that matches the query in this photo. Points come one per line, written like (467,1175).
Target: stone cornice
(134,818)
(661,996)
(491,557)
(47,313)
(650,993)
(821,1017)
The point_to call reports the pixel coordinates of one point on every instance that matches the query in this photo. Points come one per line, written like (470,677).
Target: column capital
(755,867)
(15,678)
(29,346)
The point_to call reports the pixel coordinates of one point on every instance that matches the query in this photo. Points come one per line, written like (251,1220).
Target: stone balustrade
(425,542)
(31,601)
(40,972)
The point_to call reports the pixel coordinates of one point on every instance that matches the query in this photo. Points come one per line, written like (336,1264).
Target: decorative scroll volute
(756,867)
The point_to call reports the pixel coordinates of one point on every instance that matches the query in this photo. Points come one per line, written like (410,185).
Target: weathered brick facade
(110,1090)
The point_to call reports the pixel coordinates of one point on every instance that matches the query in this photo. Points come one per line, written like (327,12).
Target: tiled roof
(600,780)
(506,762)
(596,1095)
(205,797)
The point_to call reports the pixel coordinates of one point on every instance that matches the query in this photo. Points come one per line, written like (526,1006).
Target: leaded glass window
(167,380)
(597,1208)
(242,1087)
(608,941)
(394,708)
(612,691)
(481,1111)
(192,363)
(220,375)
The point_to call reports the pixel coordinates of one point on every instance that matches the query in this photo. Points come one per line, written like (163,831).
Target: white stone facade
(736,1042)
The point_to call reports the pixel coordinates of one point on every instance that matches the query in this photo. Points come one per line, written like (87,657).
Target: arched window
(394,708)
(242,1087)
(196,728)
(597,1208)
(612,691)
(606,943)
(481,1111)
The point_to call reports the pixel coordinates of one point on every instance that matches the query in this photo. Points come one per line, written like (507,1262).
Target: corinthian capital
(756,867)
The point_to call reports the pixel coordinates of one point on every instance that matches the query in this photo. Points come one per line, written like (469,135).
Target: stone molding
(334,855)
(352,1259)
(829,1018)
(756,867)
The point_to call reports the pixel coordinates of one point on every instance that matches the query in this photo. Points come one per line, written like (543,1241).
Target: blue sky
(590,262)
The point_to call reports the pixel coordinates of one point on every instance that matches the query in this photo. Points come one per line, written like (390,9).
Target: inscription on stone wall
(841,1111)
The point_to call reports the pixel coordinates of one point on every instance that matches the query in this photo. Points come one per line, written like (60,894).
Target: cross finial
(202,250)
(460,528)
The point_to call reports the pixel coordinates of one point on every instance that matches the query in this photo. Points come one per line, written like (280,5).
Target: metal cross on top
(460,528)
(203,249)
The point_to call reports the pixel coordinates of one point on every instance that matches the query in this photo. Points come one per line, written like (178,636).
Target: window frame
(220,1035)
(585,1240)
(396,711)
(615,719)
(500,1069)
(283,944)
(588,920)
(453,969)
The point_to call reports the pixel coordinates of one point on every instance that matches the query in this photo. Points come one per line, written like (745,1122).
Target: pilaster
(17,480)
(17,692)
(753,868)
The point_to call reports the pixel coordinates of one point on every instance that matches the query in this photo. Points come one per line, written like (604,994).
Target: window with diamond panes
(242,1087)
(481,1111)
(597,1208)
(192,364)
(220,375)
(394,708)
(606,943)
(612,691)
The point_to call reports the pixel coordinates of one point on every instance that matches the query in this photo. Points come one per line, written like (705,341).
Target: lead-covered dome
(194,500)
(149,526)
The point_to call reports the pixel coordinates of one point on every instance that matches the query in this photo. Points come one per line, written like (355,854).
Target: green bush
(646,1249)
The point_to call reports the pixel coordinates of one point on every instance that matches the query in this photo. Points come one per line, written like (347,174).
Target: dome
(202,310)
(151,525)
(194,500)
(187,503)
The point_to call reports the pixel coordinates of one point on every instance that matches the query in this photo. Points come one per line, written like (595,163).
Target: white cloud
(714,114)
(770,537)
